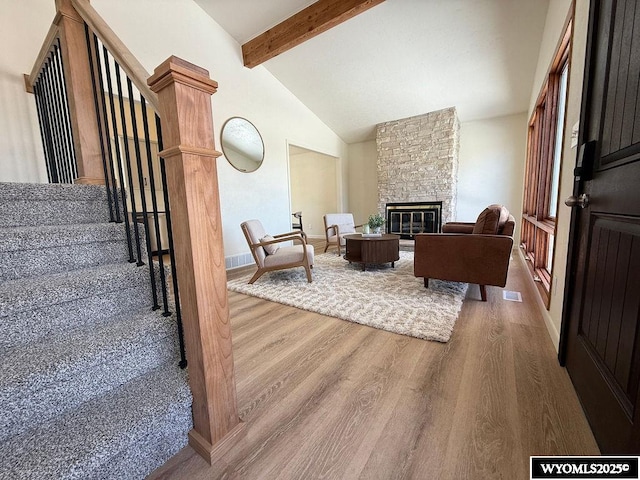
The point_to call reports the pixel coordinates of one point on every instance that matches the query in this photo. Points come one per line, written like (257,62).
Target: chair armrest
(481,259)
(458,227)
(286,234)
(337,230)
(304,234)
(329,227)
(284,237)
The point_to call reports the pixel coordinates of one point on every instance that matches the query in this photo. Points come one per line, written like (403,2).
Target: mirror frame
(226,152)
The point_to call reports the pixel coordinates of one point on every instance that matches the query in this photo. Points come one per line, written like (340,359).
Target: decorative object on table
(365,229)
(382,297)
(375,222)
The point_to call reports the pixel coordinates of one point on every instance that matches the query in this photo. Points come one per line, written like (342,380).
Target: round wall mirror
(242,144)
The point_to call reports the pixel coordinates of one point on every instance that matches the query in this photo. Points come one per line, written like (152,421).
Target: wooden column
(184,93)
(80,92)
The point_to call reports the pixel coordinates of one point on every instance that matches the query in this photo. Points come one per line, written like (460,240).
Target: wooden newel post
(82,111)
(184,93)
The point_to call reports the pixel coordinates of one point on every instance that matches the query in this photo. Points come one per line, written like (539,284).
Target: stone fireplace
(418,162)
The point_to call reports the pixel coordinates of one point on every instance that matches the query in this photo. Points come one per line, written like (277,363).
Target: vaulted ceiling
(402,58)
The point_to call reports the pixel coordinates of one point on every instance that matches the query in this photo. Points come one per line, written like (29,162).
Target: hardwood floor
(326,398)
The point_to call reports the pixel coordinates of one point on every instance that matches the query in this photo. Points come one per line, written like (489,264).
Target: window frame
(538,227)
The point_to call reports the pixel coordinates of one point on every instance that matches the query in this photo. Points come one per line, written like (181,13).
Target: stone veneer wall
(418,160)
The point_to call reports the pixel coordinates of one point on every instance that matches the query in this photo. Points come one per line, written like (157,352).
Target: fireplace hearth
(410,218)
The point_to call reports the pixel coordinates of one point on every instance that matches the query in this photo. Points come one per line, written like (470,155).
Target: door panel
(607,327)
(603,313)
(623,85)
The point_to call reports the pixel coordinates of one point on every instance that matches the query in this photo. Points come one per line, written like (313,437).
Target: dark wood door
(601,334)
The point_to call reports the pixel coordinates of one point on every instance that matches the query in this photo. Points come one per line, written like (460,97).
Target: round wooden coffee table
(372,250)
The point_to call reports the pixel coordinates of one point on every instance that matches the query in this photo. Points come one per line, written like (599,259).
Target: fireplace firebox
(409,218)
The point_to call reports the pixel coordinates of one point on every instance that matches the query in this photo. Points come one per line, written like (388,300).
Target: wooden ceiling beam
(306,24)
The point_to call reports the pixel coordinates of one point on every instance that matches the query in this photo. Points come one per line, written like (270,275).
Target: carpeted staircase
(90,385)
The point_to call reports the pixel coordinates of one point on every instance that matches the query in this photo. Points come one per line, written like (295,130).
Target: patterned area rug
(382,297)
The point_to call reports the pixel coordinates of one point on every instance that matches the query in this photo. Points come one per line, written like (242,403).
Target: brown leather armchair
(468,252)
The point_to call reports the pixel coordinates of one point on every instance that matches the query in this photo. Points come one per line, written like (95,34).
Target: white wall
(23,26)
(363,180)
(491,165)
(314,189)
(155,29)
(558,11)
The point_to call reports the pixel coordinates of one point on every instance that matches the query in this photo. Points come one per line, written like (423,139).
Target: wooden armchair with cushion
(468,252)
(336,226)
(269,255)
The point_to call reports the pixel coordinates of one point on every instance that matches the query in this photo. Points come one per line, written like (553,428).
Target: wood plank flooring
(326,398)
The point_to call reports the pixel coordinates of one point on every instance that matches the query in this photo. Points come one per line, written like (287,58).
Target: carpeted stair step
(124,434)
(36,308)
(29,293)
(41,381)
(158,449)
(23,204)
(43,250)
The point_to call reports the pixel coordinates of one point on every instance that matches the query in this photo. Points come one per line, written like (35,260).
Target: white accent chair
(336,226)
(282,257)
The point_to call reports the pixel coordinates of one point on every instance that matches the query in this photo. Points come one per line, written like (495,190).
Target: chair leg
(483,293)
(326,247)
(426,282)
(308,270)
(256,276)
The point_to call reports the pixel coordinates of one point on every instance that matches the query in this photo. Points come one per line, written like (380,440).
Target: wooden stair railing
(68,27)
(183,102)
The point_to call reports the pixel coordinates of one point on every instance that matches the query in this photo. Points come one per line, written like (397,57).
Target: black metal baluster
(107,179)
(57,115)
(174,276)
(154,202)
(45,134)
(118,159)
(136,145)
(66,115)
(57,112)
(52,104)
(107,134)
(60,115)
(48,97)
(134,213)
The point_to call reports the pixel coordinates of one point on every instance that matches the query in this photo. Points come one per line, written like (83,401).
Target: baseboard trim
(548,322)
(213,452)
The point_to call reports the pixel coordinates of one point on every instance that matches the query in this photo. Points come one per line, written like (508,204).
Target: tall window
(542,178)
